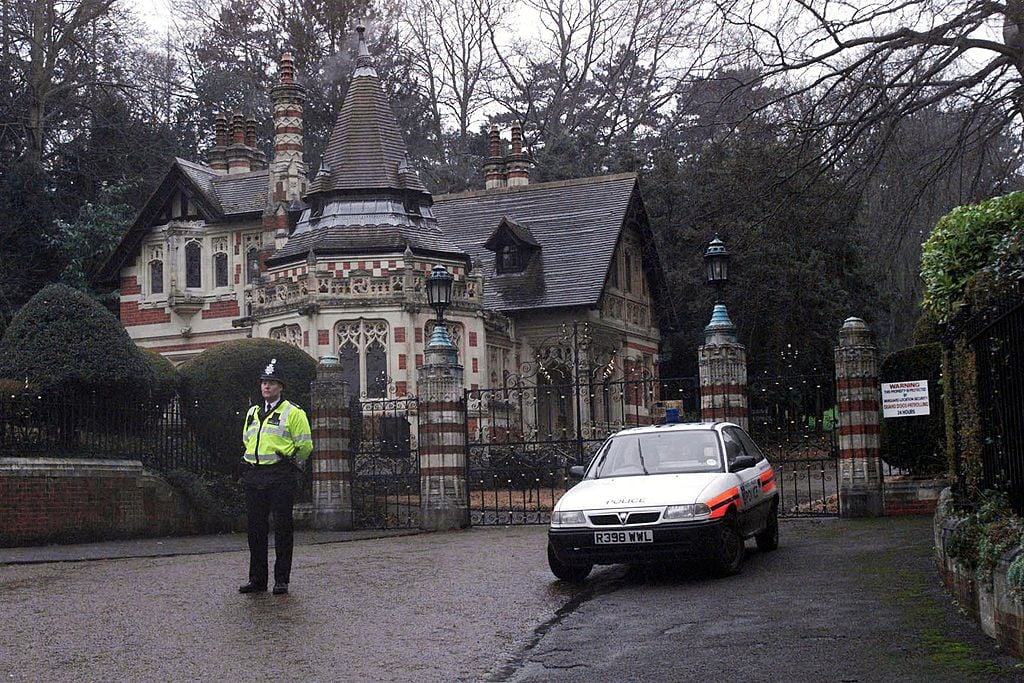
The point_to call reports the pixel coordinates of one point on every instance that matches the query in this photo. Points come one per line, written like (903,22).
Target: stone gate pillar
(723,372)
(858,398)
(332,462)
(442,436)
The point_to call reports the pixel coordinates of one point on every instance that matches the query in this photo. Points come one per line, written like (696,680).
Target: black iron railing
(153,432)
(997,338)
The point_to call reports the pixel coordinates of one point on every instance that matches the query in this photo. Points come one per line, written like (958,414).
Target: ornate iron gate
(522,438)
(385,462)
(794,419)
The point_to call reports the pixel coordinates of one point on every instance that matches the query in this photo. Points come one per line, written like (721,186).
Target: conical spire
(366,150)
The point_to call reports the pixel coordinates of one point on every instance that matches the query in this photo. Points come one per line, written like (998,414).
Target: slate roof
(243,192)
(366,234)
(366,150)
(575,222)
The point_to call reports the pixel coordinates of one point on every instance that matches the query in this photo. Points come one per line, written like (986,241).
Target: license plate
(612,537)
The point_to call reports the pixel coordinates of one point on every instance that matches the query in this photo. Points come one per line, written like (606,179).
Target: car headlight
(686,511)
(568,518)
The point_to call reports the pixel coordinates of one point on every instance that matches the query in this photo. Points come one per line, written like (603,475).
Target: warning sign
(905,399)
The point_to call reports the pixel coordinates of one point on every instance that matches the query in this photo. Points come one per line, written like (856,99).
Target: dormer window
(513,245)
(511,259)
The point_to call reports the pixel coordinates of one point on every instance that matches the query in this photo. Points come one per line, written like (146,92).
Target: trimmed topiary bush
(916,444)
(166,379)
(220,384)
(64,343)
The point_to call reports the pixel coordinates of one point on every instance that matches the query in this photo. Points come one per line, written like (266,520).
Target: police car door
(750,479)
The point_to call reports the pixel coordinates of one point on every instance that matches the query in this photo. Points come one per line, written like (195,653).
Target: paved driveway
(481,605)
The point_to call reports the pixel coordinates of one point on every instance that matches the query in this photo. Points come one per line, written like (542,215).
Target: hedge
(61,342)
(916,444)
(219,385)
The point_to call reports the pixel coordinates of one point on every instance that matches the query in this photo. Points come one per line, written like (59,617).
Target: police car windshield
(668,452)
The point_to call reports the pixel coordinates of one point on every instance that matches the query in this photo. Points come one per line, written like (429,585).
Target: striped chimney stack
(287,170)
(332,464)
(494,166)
(218,156)
(722,365)
(858,395)
(517,163)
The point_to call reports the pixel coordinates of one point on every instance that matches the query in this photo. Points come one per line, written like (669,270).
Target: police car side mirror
(742,462)
(577,472)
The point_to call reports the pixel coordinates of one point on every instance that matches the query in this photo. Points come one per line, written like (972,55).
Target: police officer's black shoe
(280,588)
(252,588)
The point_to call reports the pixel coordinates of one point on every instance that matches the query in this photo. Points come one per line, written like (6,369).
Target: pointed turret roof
(366,196)
(366,149)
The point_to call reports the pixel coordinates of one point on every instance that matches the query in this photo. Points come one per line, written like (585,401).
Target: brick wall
(45,500)
(222,309)
(912,496)
(131,315)
(987,599)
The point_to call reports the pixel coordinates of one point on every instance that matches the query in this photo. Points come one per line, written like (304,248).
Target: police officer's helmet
(272,372)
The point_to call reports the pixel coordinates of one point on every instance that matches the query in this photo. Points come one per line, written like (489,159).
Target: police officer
(277,442)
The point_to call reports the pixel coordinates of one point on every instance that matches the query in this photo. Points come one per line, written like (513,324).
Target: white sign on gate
(905,399)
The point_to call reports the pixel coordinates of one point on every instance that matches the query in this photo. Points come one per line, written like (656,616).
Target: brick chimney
(218,156)
(287,170)
(517,163)
(494,166)
(238,153)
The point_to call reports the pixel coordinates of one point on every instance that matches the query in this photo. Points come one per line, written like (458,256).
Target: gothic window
(193,265)
(252,265)
(629,271)
(363,352)
(220,270)
(613,272)
(220,262)
(156,276)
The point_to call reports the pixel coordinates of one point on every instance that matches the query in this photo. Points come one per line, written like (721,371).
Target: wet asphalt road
(839,601)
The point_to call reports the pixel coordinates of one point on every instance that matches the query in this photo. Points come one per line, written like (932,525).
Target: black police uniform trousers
(269,489)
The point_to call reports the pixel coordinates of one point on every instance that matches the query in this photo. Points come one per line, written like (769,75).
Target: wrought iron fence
(997,338)
(522,438)
(153,432)
(794,419)
(385,457)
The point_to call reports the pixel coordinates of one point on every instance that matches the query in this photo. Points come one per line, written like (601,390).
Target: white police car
(663,493)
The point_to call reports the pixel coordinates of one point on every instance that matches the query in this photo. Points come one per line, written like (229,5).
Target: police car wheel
(571,574)
(730,550)
(768,539)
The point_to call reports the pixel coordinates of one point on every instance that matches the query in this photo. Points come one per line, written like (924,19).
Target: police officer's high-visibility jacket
(284,431)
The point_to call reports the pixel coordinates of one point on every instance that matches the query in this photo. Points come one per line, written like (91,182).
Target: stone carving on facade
(289,334)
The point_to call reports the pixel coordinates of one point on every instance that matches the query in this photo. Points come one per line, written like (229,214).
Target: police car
(666,493)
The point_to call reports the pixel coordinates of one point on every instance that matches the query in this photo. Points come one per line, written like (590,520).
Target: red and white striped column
(859,399)
(722,363)
(442,437)
(332,462)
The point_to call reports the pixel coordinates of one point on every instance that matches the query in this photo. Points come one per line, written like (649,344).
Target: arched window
(362,350)
(193,265)
(155,261)
(252,265)
(220,269)
(156,276)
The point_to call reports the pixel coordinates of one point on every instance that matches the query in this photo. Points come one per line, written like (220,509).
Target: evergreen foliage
(219,385)
(917,443)
(964,242)
(64,343)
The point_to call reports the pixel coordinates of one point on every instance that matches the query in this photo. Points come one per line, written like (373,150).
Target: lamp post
(439,296)
(716,267)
